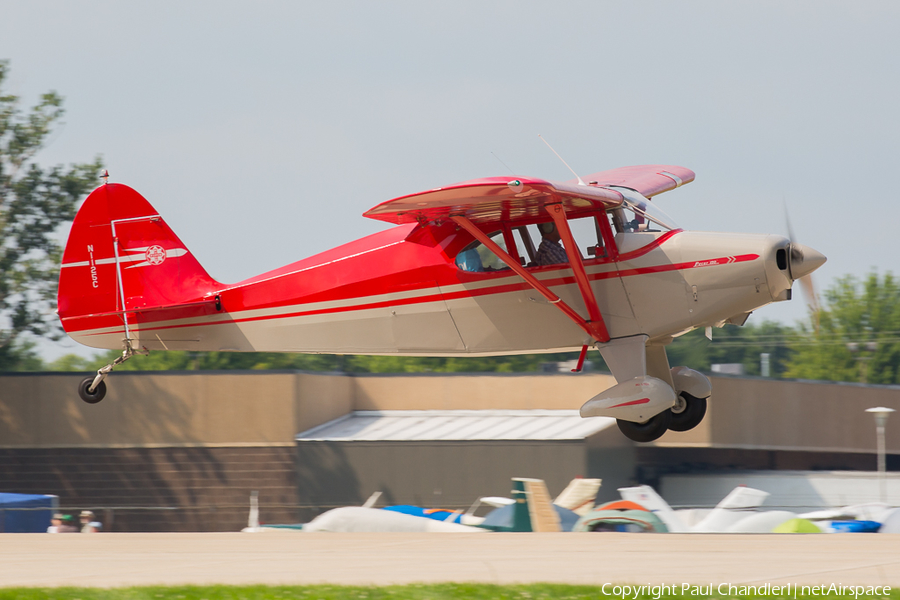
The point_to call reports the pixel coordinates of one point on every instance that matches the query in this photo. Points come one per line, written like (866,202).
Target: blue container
(26,513)
(855,526)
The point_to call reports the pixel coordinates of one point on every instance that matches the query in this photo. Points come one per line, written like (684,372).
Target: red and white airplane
(460,274)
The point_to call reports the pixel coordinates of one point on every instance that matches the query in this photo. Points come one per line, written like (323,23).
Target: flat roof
(451,425)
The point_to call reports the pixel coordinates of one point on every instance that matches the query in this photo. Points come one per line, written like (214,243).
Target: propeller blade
(812,299)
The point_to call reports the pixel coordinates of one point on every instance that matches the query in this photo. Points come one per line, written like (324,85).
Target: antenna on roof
(504,164)
(580,182)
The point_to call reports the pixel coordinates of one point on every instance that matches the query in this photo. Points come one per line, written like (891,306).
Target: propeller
(803,261)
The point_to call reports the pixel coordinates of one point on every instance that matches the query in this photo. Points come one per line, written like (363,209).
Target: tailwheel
(89,396)
(651,429)
(687,412)
(93,389)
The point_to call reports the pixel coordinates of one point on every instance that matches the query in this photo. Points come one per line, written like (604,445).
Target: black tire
(651,429)
(91,397)
(689,412)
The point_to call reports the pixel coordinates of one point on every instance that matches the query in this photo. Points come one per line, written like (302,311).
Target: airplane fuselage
(401,292)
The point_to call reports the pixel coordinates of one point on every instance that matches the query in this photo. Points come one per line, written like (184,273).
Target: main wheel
(687,412)
(649,430)
(91,397)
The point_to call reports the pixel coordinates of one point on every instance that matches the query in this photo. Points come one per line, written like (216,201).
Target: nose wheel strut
(93,389)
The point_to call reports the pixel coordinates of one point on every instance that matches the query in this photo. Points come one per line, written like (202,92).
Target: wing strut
(594,328)
(558,212)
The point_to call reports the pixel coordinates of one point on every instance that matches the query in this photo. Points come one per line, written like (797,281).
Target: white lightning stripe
(173,253)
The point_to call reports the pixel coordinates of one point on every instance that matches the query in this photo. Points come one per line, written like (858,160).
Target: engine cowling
(635,400)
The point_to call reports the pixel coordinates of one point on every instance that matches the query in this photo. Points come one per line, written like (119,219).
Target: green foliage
(733,344)
(215,361)
(20,356)
(34,202)
(858,334)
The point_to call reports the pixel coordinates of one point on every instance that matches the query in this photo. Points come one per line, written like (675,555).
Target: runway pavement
(126,559)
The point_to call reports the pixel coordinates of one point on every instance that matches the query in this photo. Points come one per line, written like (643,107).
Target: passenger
(55,522)
(62,523)
(469,260)
(550,252)
(88,524)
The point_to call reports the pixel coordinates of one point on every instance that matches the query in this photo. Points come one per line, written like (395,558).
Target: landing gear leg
(93,389)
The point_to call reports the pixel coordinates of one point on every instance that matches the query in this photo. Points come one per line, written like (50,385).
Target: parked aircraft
(360,519)
(529,510)
(737,507)
(470,269)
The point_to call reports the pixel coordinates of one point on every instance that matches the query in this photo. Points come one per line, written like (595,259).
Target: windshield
(640,214)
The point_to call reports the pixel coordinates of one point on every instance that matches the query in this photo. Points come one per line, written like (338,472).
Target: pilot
(550,252)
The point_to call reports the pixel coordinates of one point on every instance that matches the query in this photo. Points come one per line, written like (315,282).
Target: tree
(857,337)
(34,202)
(733,344)
(215,361)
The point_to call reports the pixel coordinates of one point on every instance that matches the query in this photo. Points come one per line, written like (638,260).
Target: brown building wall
(477,391)
(249,408)
(169,409)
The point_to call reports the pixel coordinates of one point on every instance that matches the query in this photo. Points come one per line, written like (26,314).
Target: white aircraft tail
(371,500)
(540,510)
(734,507)
(647,497)
(743,498)
(253,517)
(579,496)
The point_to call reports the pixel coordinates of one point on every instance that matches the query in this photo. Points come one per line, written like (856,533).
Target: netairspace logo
(788,590)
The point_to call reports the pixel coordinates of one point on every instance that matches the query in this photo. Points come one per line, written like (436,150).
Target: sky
(262,131)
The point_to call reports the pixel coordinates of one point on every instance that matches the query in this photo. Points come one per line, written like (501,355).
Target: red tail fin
(122,257)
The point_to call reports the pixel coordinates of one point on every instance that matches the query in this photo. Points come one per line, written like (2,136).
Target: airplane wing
(493,199)
(649,180)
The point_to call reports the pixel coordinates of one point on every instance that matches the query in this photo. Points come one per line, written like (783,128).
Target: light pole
(881,416)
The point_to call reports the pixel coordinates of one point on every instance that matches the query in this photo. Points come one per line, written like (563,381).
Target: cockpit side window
(585,230)
(477,258)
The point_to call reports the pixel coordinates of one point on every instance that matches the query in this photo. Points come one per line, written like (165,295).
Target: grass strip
(442,591)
